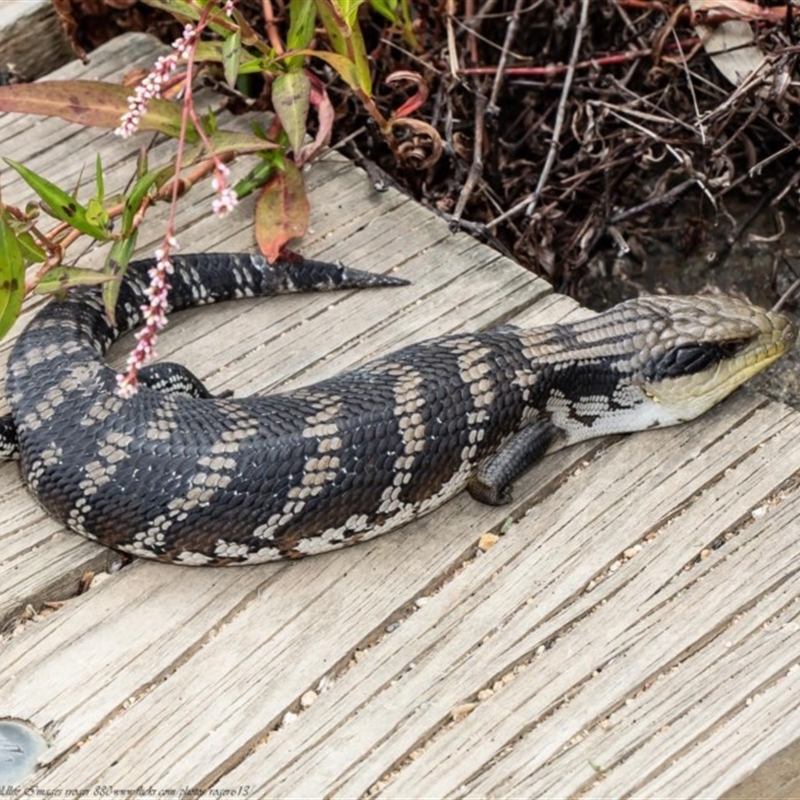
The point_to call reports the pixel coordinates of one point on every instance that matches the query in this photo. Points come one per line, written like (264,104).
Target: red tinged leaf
(87,103)
(325,117)
(103,104)
(281,211)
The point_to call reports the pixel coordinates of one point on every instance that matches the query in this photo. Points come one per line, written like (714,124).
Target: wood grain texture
(32,42)
(630,629)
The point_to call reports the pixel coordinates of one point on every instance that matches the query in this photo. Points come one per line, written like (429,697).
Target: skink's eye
(691,358)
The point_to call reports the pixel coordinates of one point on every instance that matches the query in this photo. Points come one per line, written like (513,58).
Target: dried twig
(554,70)
(452,58)
(476,169)
(667,198)
(511,31)
(790,293)
(529,203)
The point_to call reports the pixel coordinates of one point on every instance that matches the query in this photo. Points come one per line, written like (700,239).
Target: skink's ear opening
(689,359)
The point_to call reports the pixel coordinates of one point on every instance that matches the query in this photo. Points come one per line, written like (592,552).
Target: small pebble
(487,540)
(459,712)
(308,699)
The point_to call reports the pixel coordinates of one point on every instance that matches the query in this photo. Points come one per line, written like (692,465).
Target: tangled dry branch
(572,126)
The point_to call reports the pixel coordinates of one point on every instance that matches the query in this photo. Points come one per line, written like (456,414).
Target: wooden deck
(632,630)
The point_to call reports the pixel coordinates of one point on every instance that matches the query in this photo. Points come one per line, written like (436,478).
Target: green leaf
(12,277)
(117,264)
(191,11)
(89,103)
(282,211)
(248,64)
(340,20)
(302,20)
(31,252)
(348,9)
(225,142)
(120,255)
(178,8)
(344,66)
(98,179)
(135,197)
(232,56)
(334,25)
(386,8)
(59,279)
(141,163)
(255,179)
(408,27)
(290,97)
(358,53)
(60,204)
(96,214)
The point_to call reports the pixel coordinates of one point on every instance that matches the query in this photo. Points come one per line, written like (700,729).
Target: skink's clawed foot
(491,482)
(489,494)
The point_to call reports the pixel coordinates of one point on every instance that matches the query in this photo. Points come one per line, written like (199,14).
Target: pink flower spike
(226,199)
(220,178)
(149,88)
(182,44)
(154,316)
(125,388)
(224,202)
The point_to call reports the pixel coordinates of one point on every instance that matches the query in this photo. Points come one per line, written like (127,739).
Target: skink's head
(693,351)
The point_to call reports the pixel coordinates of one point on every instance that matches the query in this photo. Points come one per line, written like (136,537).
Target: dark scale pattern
(178,475)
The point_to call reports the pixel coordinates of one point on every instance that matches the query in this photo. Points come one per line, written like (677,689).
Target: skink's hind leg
(9,443)
(491,482)
(170,378)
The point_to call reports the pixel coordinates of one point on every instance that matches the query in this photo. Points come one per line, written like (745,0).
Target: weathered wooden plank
(235,671)
(750,662)
(31,39)
(688,630)
(475,631)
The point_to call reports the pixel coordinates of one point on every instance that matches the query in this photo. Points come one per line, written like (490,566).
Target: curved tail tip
(362,278)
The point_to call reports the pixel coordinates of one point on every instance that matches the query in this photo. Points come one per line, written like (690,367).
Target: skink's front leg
(491,481)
